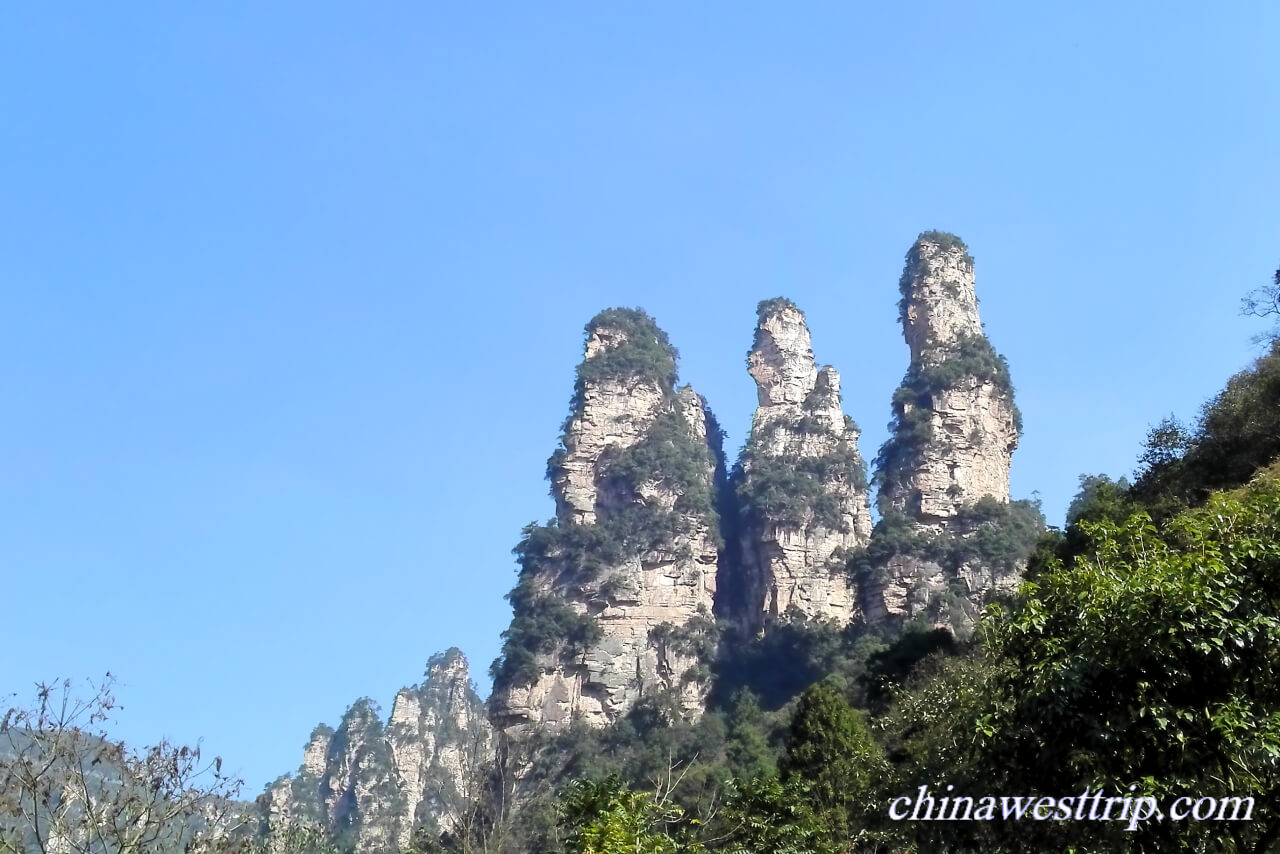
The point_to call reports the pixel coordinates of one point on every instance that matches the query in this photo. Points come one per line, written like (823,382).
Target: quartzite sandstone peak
(944,473)
(615,594)
(956,425)
(423,768)
(803,483)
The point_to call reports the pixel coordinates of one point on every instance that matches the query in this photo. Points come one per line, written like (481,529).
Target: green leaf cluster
(605,817)
(1237,433)
(667,456)
(989,533)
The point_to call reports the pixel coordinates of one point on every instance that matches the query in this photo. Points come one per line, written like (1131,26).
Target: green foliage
(293,840)
(890,667)
(667,456)
(894,534)
(788,657)
(995,535)
(766,307)
(794,492)
(696,638)
(1144,661)
(749,746)
(1099,498)
(1153,659)
(542,624)
(1237,433)
(580,552)
(607,818)
(645,354)
(766,816)
(831,751)
(1165,445)
(971,357)
(944,239)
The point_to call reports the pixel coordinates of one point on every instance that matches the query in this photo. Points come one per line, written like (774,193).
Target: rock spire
(955,424)
(615,594)
(423,768)
(949,534)
(801,482)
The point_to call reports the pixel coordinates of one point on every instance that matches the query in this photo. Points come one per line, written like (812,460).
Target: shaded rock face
(379,783)
(633,481)
(952,439)
(802,481)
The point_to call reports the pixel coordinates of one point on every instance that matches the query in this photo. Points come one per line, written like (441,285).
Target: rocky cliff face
(944,473)
(802,483)
(374,785)
(615,594)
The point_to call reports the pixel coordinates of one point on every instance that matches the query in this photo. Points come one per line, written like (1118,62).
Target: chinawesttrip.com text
(1090,805)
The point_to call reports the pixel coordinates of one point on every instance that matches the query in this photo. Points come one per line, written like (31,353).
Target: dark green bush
(768,306)
(1237,433)
(991,533)
(668,455)
(796,492)
(646,354)
(541,625)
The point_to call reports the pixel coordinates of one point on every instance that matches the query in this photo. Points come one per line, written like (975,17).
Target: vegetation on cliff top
(916,264)
(644,352)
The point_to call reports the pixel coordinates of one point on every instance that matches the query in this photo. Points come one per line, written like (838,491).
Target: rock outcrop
(944,472)
(802,483)
(615,594)
(381,783)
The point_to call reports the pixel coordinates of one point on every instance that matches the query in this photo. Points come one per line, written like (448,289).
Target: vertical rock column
(955,424)
(802,483)
(615,594)
(944,472)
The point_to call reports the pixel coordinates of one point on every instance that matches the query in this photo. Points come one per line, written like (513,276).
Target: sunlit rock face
(802,478)
(954,432)
(972,423)
(633,488)
(380,782)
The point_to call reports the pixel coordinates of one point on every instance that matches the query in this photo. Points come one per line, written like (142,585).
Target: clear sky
(293,292)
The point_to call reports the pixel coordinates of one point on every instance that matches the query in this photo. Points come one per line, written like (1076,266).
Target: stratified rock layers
(802,483)
(615,594)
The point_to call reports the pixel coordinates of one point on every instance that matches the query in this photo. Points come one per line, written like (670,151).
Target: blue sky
(293,293)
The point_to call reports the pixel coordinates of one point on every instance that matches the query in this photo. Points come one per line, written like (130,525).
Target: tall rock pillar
(948,535)
(955,424)
(615,594)
(801,483)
